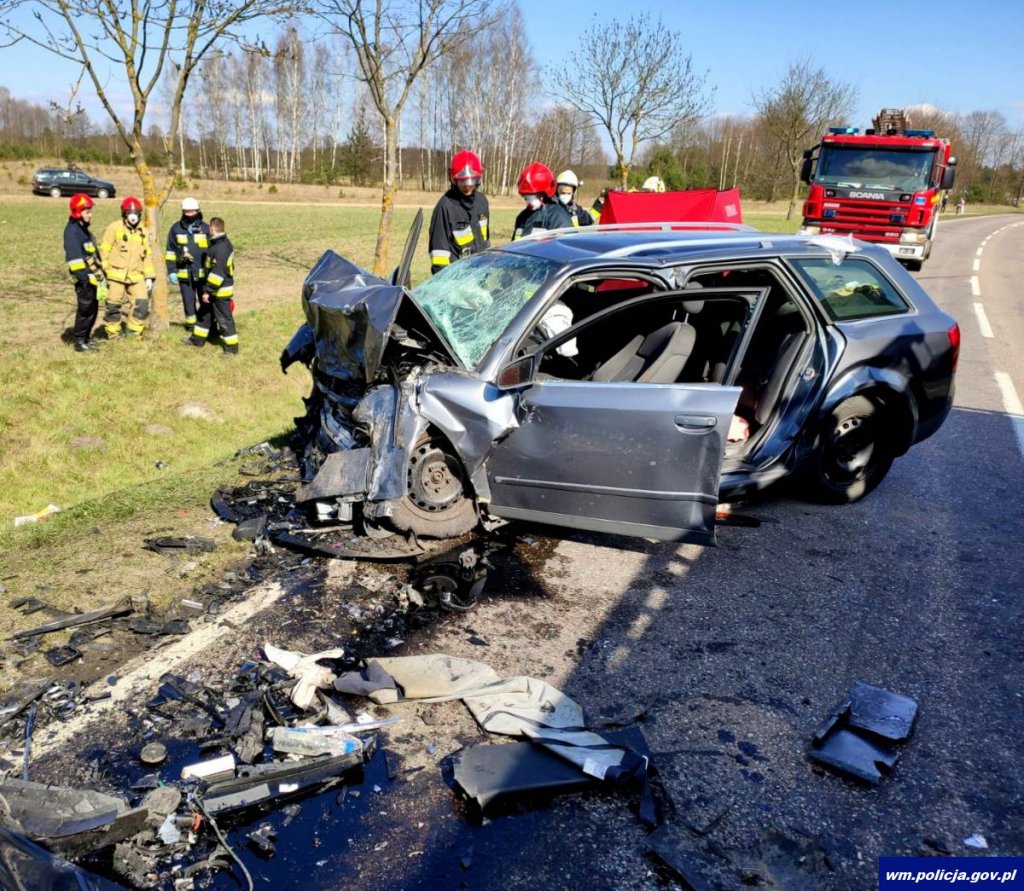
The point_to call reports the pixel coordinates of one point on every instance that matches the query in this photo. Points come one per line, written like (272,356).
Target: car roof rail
(654,226)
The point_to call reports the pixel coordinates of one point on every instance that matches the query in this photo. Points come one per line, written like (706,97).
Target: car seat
(657,358)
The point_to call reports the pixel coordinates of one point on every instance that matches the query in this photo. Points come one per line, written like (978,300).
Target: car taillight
(954,342)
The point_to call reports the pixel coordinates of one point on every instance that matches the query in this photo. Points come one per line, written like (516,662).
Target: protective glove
(172,279)
(149,286)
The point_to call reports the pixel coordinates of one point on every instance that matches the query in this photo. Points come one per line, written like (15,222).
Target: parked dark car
(465,400)
(65,181)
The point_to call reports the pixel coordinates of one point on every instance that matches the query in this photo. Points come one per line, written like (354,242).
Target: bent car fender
(894,385)
(394,424)
(473,414)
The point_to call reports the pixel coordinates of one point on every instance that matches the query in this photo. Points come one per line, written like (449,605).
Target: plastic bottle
(313,741)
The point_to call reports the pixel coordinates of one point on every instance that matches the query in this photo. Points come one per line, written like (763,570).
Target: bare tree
(140,39)
(642,87)
(394,41)
(798,109)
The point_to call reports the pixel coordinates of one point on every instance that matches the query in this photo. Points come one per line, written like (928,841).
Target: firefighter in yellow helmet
(128,265)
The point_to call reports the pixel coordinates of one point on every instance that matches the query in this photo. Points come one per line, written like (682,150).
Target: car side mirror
(516,374)
(805,170)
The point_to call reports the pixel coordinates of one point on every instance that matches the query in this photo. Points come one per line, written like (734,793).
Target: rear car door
(620,456)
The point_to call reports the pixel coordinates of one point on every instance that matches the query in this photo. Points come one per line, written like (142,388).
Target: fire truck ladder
(891,122)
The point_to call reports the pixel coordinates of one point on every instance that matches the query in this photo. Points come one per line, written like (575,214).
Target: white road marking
(977,265)
(975,287)
(1014,409)
(981,250)
(986,328)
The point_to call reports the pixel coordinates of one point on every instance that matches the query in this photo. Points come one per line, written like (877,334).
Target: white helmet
(653,184)
(189,203)
(568,178)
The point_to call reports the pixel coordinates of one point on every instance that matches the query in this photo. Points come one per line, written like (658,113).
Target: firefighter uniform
(220,290)
(128,266)
(84,266)
(581,216)
(187,241)
(458,227)
(550,215)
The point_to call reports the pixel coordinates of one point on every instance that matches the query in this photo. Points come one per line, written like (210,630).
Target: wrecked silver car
(591,379)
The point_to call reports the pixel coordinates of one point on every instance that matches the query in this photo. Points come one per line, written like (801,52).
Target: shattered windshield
(857,168)
(472,301)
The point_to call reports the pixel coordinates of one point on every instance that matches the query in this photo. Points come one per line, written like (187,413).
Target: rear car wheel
(55,192)
(102,193)
(852,452)
(437,502)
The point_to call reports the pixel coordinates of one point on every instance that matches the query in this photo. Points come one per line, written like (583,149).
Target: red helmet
(465,165)
(536,179)
(131,204)
(79,203)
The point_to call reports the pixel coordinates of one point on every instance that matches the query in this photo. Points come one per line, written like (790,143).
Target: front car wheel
(437,501)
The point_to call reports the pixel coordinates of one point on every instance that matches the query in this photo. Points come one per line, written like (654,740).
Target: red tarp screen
(692,206)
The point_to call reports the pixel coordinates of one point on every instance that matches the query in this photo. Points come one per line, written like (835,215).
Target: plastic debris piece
(859,735)
(250,529)
(28,605)
(26,865)
(120,608)
(223,509)
(56,811)
(264,782)
(37,516)
(261,840)
(22,696)
(211,771)
(977,840)
(153,753)
(291,811)
(168,832)
(674,847)
(192,604)
(62,655)
(189,544)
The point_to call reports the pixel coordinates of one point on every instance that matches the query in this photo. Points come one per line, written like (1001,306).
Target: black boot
(85,346)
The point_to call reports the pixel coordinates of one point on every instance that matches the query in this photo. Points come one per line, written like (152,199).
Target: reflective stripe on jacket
(220,267)
(125,254)
(458,227)
(80,252)
(192,236)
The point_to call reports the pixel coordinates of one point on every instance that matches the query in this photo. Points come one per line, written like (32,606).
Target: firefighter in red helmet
(537,186)
(458,226)
(128,265)
(84,266)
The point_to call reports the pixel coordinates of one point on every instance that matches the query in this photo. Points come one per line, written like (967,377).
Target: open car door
(623,456)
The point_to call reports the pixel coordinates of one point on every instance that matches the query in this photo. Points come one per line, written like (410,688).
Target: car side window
(852,290)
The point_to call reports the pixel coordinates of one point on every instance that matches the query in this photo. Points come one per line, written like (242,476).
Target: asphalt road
(734,655)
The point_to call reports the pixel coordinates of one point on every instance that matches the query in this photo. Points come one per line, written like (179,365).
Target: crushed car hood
(350,319)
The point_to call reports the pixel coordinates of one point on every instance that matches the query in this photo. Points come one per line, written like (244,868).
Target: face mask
(565,198)
(132,219)
(532,201)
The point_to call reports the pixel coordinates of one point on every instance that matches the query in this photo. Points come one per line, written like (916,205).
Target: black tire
(437,502)
(852,452)
(102,193)
(55,192)
(913,265)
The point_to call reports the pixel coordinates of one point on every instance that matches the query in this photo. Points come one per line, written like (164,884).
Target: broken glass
(472,302)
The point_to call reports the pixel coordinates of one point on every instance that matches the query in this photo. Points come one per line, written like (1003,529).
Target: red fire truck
(883,185)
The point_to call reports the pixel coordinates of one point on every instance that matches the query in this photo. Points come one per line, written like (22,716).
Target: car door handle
(694,423)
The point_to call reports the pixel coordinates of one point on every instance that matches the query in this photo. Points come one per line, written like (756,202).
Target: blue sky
(956,56)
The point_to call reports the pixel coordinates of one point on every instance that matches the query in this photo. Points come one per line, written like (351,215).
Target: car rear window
(852,290)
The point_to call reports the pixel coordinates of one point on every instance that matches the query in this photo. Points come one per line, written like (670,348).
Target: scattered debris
(188,544)
(120,608)
(37,516)
(28,605)
(22,696)
(858,737)
(62,655)
(213,770)
(26,865)
(976,840)
(153,753)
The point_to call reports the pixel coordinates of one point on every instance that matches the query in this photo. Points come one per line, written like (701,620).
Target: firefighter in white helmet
(185,257)
(566,186)
(653,184)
